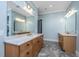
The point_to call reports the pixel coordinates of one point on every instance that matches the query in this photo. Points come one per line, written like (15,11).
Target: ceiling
(45,7)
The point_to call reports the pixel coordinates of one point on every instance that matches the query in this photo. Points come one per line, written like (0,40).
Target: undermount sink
(67,32)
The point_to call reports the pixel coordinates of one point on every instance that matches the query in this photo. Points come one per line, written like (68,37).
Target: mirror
(19,22)
(16,23)
(71,24)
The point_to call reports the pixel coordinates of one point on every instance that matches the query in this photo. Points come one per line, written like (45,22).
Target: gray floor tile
(51,49)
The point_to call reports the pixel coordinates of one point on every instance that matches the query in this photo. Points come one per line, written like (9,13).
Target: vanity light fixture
(71,12)
(20,20)
(28,9)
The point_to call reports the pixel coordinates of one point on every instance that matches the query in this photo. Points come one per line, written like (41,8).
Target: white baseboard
(77,53)
(54,40)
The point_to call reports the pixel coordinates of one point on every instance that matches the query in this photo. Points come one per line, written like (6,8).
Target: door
(40,26)
(7,25)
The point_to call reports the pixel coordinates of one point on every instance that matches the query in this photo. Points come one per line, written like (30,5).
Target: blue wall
(3,25)
(53,23)
(3,17)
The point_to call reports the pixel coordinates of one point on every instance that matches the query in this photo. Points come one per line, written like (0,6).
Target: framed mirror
(71,24)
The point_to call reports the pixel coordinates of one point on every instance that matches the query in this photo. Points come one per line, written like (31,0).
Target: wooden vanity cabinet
(27,49)
(67,43)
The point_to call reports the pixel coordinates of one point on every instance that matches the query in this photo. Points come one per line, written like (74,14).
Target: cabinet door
(11,50)
(35,46)
(40,42)
(61,41)
(69,44)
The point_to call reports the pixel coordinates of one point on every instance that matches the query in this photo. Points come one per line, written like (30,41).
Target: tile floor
(51,49)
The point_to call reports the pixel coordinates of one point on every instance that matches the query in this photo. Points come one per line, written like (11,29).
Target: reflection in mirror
(17,23)
(71,23)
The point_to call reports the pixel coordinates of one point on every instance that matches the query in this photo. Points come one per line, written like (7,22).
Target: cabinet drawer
(38,39)
(27,53)
(26,46)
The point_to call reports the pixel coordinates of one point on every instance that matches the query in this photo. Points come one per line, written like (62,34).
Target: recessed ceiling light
(50,5)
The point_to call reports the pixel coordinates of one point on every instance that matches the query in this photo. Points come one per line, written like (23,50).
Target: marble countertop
(65,34)
(20,39)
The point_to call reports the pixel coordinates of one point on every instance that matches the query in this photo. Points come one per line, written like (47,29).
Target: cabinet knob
(27,53)
(38,41)
(28,44)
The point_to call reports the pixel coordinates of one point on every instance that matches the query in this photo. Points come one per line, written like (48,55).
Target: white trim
(54,40)
(77,53)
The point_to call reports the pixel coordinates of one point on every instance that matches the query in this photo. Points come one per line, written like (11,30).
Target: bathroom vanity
(23,45)
(67,42)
